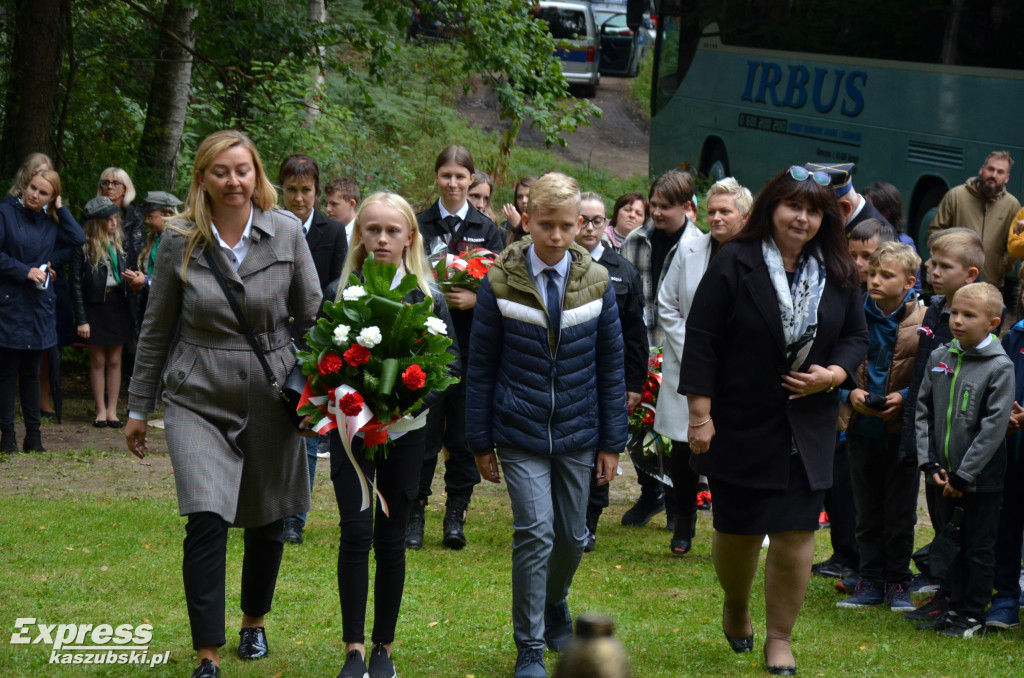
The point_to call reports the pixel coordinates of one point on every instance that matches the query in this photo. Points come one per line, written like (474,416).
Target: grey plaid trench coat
(233,449)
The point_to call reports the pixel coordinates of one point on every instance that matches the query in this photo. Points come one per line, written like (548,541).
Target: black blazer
(869,211)
(89,285)
(477,231)
(329,247)
(629,297)
(735,353)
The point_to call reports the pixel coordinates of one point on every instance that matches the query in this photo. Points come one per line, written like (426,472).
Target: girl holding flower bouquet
(386,227)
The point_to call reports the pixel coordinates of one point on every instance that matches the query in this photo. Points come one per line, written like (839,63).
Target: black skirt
(110,322)
(756,511)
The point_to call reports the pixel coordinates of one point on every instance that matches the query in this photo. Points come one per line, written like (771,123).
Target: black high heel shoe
(740,645)
(778,670)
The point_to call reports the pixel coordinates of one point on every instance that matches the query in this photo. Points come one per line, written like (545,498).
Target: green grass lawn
(109,551)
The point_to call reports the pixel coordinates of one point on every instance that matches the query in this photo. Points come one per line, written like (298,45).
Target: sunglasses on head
(802,174)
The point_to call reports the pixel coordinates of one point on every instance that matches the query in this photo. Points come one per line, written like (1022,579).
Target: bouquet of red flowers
(466,270)
(372,359)
(646,447)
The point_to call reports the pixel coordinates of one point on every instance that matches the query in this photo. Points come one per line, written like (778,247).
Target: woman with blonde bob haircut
(238,461)
(385,227)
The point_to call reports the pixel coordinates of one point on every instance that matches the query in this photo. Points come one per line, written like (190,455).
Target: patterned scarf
(798,303)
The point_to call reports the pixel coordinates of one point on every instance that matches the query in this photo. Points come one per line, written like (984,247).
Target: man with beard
(983,204)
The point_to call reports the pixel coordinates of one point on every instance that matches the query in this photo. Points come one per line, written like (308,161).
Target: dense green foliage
(383,111)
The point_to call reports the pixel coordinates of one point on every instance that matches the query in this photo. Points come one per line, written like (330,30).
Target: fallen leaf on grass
(104,568)
(42,527)
(85,549)
(433,624)
(69,548)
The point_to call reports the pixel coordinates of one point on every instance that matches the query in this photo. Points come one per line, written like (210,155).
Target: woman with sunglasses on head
(33,225)
(775,328)
(116,185)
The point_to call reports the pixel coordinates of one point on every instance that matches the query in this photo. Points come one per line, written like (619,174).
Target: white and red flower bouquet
(466,270)
(372,359)
(645,447)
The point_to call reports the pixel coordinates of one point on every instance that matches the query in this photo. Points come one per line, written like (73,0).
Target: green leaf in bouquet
(388,374)
(370,383)
(334,310)
(309,410)
(377,277)
(351,314)
(318,336)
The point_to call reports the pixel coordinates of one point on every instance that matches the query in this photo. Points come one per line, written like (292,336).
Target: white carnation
(341,334)
(369,336)
(436,326)
(353,293)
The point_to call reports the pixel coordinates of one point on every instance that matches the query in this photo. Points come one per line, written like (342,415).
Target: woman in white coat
(728,204)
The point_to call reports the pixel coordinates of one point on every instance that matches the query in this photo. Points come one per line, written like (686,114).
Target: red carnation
(357,355)
(414,378)
(646,397)
(648,417)
(351,404)
(329,364)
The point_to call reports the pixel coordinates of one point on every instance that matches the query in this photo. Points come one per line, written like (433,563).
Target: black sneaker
(381,665)
(355,666)
(938,623)
(292,531)
(959,626)
(833,569)
(929,611)
(414,528)
(645,508)
(557,626)
(530,664)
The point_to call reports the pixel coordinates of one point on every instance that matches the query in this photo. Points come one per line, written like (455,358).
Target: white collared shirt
(236,254)
(461,214)
(538,267)
(349,227)
(597,252)
(305,226)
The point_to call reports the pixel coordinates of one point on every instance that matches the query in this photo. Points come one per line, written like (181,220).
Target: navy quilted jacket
(532,390)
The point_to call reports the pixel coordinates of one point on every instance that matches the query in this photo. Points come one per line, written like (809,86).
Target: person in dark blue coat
(31,226)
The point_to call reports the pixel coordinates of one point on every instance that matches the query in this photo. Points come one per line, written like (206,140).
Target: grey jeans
(549,502)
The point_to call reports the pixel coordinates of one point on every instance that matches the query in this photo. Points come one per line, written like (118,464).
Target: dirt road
(618,141)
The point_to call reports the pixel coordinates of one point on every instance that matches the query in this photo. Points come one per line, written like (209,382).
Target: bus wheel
(716,163)
(922,217)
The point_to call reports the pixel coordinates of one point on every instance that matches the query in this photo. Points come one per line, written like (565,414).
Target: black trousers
(885,494)
(396,476)
(970,588)
(446,424)
(842,513)
(19,372)
(1010,532)
(203,570)
(684,479)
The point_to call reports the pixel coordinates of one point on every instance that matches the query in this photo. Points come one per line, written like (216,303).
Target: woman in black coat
(775,328)
(31,226)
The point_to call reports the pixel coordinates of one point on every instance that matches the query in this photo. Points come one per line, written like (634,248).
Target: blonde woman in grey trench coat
(237,460)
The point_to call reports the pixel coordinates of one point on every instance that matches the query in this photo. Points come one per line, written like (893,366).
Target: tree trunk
(168,98)
(35,78)
(316,13)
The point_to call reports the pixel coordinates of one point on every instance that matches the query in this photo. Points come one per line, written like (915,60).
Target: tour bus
(916,94)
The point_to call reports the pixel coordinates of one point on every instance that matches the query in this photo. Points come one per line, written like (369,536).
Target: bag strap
(246,329)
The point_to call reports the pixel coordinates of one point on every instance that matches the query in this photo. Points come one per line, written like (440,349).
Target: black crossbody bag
(294,384)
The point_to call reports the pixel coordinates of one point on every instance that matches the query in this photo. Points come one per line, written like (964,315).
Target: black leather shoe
(740,645)
(292,531)
(414,528)
(252,643)
(682,539)
(833,569)
(454,519)
(33,442)
(206,669)
(645,508)
(778,670)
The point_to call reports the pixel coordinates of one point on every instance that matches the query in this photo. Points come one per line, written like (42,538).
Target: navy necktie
(452,222)
(553,300)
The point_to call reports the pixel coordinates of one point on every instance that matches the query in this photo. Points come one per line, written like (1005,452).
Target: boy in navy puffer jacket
(545,388)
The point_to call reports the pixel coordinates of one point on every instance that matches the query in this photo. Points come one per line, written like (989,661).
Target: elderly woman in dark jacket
(776,326)
(31,226)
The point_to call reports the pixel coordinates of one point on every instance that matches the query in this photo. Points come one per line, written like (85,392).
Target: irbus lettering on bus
(795,91)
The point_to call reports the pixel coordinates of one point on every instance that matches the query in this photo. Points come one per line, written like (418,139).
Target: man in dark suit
(299,179)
